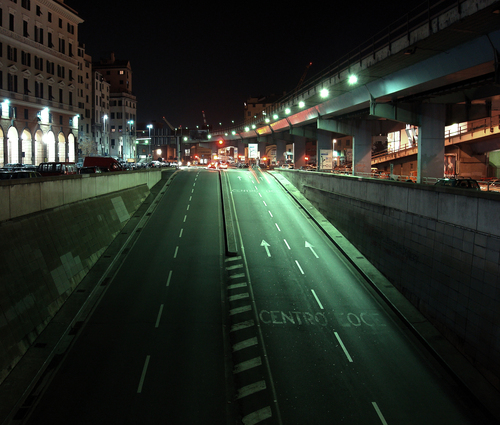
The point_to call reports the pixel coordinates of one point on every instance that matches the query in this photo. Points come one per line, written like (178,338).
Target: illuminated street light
(324,93)
(302,104)
(353,79)
(287,111)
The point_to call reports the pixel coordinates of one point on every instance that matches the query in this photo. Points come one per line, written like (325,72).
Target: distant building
(39,91)
(122,106)
(255,107)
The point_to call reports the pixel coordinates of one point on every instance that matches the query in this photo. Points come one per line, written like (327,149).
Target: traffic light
(220,142)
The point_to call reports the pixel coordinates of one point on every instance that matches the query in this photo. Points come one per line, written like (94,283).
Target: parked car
(90,170)
(19,174)
(459,183)
(12,166)
(56,168)
(105,163)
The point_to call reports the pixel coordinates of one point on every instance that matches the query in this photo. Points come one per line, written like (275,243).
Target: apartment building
(122,106)
(39,91)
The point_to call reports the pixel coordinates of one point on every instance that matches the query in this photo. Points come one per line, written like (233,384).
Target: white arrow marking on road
(239,177)
(308,245)
(266,245)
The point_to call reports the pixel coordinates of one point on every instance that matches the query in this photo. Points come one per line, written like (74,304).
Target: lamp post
(150,126)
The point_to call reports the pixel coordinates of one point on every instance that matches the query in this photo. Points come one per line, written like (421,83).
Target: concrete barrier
(27,196)
(44,255)
(440,247)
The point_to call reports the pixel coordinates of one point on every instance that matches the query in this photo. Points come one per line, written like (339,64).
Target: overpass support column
(362,147)
(430,157)
(299,151)
(262,150)
(241,150)
(280,151)
(361,132)
(323,143)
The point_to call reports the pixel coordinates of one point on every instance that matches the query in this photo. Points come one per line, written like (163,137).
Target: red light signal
(220,142)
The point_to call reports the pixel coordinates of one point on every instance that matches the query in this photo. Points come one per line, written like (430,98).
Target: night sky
(188,57)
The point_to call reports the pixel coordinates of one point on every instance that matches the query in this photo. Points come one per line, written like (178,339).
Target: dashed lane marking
(250,342)
(242,325)
(239,296)
(257,416)
(237,276)
(249,364)
(251,389)
(237,285)
(238,310)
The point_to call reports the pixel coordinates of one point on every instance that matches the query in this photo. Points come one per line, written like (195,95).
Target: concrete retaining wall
(438,246)
(27,196)
(45,255)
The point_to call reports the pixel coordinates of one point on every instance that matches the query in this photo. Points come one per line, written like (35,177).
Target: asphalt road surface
(153,350)
(157,348)
(336,354)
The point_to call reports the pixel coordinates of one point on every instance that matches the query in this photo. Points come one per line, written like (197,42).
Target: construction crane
(170,125)
(301,81)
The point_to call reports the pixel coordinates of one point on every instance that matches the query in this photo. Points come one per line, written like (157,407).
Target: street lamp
(150,126)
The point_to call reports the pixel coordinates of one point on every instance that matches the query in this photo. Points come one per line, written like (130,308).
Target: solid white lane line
(287,244)
(343,347)
(175,253)
(159,316)
(379,413)
(169,277)
(143,375)
(180,234)
(317,299)
(298,265)
(278,227)
(270,213)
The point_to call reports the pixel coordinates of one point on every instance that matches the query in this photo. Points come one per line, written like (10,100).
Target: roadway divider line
(343,347)
(251,389)
(379,413)
(317,299)
(143,375)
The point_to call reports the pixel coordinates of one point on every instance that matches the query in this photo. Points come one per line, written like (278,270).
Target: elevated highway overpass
(436,67)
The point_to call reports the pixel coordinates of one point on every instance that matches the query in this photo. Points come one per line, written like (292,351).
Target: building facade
(39,91)
(122,106)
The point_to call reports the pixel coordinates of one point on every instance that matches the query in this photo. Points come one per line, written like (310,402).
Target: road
(153,350)
(318,346)
(336,353)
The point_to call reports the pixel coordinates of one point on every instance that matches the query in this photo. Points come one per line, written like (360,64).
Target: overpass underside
(441,71)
